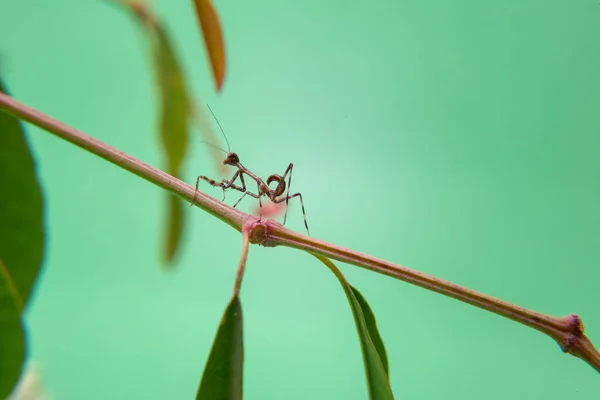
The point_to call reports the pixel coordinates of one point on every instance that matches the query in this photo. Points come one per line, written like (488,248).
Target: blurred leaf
(175,105)
(175,226)
(175,108)
(21,244)
(213,39)
(12,336)
(222,378)
(374,355)
(31,384)
(150,24)
(21,208)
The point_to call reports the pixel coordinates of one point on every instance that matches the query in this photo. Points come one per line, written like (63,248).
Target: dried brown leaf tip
(213,39)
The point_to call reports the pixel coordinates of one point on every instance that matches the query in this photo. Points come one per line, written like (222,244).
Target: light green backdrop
(460,138)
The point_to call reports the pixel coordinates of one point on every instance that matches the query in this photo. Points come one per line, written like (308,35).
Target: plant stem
(567,331)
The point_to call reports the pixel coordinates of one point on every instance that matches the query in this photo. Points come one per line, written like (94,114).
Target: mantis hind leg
(287,199)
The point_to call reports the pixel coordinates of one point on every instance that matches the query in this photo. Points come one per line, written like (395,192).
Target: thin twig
(567,331)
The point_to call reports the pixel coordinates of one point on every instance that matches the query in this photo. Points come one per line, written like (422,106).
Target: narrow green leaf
(222,377)
(372,328)
(175,226)
(175,108)
(21,208)
(374,355)
(12,336)
(174,113)
(175,105)
(21,244)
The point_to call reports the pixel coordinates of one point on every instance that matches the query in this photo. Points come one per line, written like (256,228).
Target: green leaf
(222,378)
(372,328)
(12,336)
(374,355)
(175,105)
(175,226)
(21,208)
(174,113)
(175,110)
(21,244)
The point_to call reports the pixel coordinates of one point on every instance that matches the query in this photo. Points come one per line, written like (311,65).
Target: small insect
(276,195)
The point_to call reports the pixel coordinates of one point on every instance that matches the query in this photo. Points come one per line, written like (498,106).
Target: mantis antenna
(220,127)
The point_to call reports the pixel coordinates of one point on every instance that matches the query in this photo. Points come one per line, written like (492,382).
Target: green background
(460,138)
